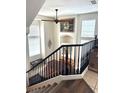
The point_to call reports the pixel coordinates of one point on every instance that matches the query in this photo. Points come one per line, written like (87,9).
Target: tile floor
(92,79)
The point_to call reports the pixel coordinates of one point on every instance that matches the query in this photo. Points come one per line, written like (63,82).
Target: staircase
(67,60)
(66,86)
(44,89)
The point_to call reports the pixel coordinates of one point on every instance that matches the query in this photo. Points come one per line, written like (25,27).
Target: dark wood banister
(56,51)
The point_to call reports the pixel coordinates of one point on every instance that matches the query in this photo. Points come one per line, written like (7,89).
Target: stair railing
(65,60)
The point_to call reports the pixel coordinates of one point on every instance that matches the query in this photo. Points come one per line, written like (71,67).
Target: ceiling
(68,7)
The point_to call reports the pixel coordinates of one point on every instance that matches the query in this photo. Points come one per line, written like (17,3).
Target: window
(34,39)
(88,28)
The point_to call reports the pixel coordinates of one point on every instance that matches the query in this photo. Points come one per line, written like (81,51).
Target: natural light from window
(88,28)
(34,39)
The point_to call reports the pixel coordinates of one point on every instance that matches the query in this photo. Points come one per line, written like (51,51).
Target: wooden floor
(91,78)
(73,86)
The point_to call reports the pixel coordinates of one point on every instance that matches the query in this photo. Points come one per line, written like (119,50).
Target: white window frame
(94,29)
(87,39)
(35,57)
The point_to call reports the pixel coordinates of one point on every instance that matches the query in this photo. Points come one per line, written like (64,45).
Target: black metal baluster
(86,48)
(28,75)
(35,70)
(84,53)
(90,46)
(60,63)
(27,78)
(31,76)
(57,70)
(57,64)
(63,63)
(35,74)
(48,71)
(78,59)
(51,67)
(54,65)
(32,72)
(74,58)
(82,58)
(44,69)
(88,51)
(38,72)
(42,72)
(66,60)
(47,68)
(70,59)
(40,69)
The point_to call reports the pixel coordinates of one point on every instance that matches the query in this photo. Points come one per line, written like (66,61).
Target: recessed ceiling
(68,7)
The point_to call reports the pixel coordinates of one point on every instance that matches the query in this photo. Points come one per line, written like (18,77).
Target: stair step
(38,90)
(41,89)
(34,91)
(45,88)
(56,87)
(66,86)
(50,88)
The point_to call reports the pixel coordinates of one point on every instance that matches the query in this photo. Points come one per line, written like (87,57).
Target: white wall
(77,28)
(27,50)
(47,33)
(52,31)
(32,9)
